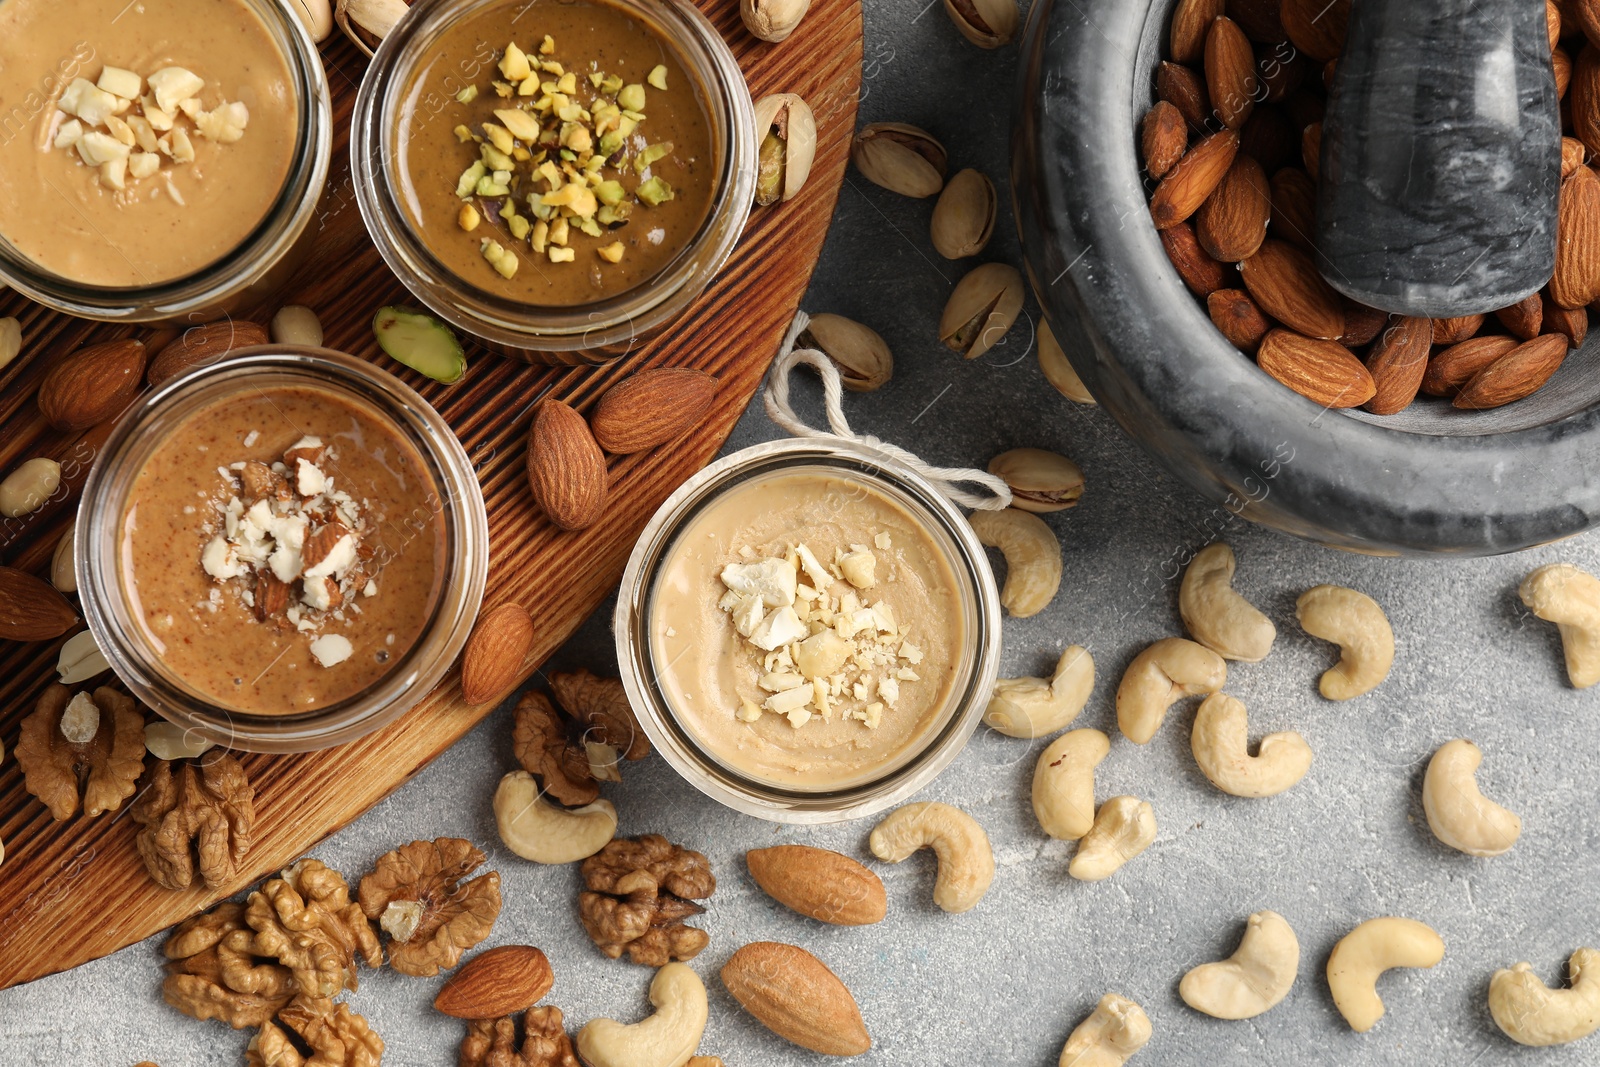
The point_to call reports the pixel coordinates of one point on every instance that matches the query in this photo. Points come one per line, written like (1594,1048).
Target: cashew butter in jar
(808,630)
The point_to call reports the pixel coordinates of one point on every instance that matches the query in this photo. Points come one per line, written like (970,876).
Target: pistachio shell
(1057,370)
(787,132)
(982,309)
(901,158)
(772,20)
(986,23)
(1040,481)
(963,219)
(863,358)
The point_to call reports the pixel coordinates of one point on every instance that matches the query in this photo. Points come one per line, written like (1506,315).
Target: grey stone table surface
(1005,983)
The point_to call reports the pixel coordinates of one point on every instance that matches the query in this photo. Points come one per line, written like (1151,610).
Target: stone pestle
(1441,157)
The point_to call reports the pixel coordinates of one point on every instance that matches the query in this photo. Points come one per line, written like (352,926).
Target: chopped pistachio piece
(658,76)
(421,342)
(499,137)
(463,135)
(467,95)
(540,237)
(611,253)
(631,97)
(642,161)
(562,255)
(519,226)
(655,192)
(547,47)
(469,179)
(468,218)
(501,258)
(514,64)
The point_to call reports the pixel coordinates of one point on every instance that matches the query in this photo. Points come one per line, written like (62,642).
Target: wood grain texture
(75,891)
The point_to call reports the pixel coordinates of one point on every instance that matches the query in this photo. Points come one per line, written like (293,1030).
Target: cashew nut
(1458,814)
(1355,623)
(1033,707)
(1256,977)
(1114,1031)
(666,1039)
(1570,598)
(1063,783)
(1221,739)
(537,830)
(1166,671)
(1123,828)
(1218,617)
(1365,953)
(966,863)
(1531,1013)
(1033,557)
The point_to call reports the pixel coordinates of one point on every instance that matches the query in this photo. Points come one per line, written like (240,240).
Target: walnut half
(101,759)
(639,892)
(417,895)
(493,1042)
(312,1032)
(305,919)
(541,744)
(199,819)
(214,972)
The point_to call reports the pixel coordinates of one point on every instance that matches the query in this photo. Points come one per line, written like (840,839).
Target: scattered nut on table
(1365,953)
(637,894)
(420,895)
(1034,707)
(788,146)
(80,659)
(1033,557)
(982,309)
(903,159)
(29,487)
(1123,827)
(666,1039)
(63,568)
(1041,481)
(90,742)
(1256,977)
(318,1026)
(1570,598)
(493,1042)
(1220,742)
(196,822)
(1058,369)
(296,324)
(1113,1032)
(1531,1013)
(772,20)
(963,217)
(819,883)
(1167,671)
(1063,783)
(986,23)
(1216,615)
(966,862)
(861,355)
(537,830)
(796,996)
(1355,623)
(169,741)
(10,340)
(1458,814)
(304,918)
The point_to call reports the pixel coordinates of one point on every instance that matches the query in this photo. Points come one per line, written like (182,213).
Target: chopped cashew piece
(966,862)
(1531,1013)
(1256,977)
(1570,598)
(1218,617)
(1063,783)
(1167,671)
(1365,953)
(1033,557)
(666,1039)
(173,85)
(1458,814)
(1123,828)
(1113,1032)
(539,831)
(1220,742)
(1355,623)
(1033,707)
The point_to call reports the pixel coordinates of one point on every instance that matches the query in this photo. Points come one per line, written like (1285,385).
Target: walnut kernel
(541,744)
(101,769)
(454,915)
(639,892)
(196,822)
(493,1042)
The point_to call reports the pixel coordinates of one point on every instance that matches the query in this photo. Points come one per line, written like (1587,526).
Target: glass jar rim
(630,625)
(611,325)
(412,677)
(234,272)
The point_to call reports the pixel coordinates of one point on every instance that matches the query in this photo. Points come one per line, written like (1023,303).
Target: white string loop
(997,494)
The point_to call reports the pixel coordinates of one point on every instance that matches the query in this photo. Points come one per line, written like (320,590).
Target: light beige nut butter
(139,142)
(282,550)
(806,631)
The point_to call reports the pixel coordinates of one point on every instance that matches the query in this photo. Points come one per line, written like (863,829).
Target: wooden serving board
(76,890)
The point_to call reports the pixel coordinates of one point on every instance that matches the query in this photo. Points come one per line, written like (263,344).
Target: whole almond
(1232,223)
(30,609)
(492,660)
(1230,72)
(1454,330)
(815,882)
(1316,27)
(1286,284)
(1187,185)
(1186,38)
(1163,136)
(503,980)
(1294,207)
(566,467)
(793,994)
(1361,323)
(1514,375)
(1561,63)
(1572,323)
(651,408)
(1281,70)
(1202,274)
(1586,13)
(1454,366)
(1573,155)
(201,346)
(1311,149)
(1183,89)
(1259,19)
(1577,277)
(1583,96)
(92,385)
(1323,372)
(1523,318)
(1397,362)
(1238,318)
